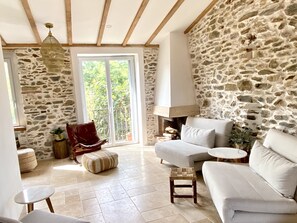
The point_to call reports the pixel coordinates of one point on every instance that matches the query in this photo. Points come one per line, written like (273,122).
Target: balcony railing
(122,123)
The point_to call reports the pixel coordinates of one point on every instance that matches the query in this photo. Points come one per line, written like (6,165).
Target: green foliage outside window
(95,82)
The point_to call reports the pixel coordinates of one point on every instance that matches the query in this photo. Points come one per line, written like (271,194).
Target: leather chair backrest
(85,133)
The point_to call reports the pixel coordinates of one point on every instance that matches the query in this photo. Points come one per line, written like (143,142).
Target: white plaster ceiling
(86,18)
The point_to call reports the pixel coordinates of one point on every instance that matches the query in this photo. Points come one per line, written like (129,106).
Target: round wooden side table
(60,149)
(34,194)
(227,153)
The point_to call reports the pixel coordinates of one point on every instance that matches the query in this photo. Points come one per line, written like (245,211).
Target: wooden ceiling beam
(135,21)
(20,45)
(3,42)
(201,15)
(165,20)
(68,21)
(31,20)
(103,21)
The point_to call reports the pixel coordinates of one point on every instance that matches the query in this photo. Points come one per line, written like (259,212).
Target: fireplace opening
(170,127)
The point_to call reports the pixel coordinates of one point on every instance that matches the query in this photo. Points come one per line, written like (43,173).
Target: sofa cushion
(282,143)
(200,137)
(8,220)
(279,172)
(222,128)
(236,187)
(181,153)
(38,216)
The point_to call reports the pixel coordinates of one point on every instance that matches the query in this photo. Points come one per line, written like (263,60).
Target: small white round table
(227,153)
(34,194)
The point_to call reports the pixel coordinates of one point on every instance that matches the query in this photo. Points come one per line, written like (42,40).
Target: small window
(13,91)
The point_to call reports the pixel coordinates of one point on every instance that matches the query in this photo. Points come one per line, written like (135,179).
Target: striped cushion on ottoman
(99,161)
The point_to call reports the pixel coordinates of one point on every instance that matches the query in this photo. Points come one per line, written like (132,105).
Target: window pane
(96,95)
(10,94)
(119,75)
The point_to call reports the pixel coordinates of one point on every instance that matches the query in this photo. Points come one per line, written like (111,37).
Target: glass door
(110,97)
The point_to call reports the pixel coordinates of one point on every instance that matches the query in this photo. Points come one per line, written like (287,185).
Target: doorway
(109,97)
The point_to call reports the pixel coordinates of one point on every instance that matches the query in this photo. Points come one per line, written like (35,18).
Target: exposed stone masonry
(150,69)
(48,99)
(244,63)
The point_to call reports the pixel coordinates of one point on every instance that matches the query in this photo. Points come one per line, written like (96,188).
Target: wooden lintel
(165,20)
(19,128)
(24,45)
(3,42)
(201,15)
(135,21)
(31,20)
(103,21)
(68,21)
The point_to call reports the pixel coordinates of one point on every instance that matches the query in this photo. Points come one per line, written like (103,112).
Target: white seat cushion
(8,220)
(38,216)
(181,153)
(235,187)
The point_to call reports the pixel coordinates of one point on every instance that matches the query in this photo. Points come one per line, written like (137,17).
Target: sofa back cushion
(282,143)
(222,128)
(200,137)
(279,172)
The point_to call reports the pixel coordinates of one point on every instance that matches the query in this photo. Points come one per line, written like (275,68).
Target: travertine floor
(136,191)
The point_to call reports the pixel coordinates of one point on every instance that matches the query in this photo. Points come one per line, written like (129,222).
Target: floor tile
(136,191)
(122,211)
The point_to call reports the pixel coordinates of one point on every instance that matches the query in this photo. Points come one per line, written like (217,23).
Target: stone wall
(244,63)
(150,69)
(48,99)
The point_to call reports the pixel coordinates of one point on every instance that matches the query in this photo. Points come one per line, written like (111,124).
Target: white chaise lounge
(184,154)
(263,191)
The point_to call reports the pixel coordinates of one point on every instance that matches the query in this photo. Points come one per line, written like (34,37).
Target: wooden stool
(187,173)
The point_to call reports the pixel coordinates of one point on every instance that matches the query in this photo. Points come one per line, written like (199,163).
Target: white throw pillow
(279,172)
(200,137)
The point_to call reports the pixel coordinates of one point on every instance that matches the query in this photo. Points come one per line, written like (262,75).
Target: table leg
(161,161)
(30,207)
(49,204)
(194,191)
(171,190)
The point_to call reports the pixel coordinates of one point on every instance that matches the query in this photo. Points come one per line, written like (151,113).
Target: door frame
(137,53)
(132,89)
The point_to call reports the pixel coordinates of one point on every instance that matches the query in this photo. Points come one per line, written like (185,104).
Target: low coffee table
(34,194)
(227,153)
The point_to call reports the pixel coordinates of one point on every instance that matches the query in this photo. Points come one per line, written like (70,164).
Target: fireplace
(170,127)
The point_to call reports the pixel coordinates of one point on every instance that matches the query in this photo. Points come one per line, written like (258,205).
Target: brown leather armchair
(83,138)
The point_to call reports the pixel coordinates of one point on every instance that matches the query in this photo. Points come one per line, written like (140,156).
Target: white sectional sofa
(263,191)
(184,154)
(38,216)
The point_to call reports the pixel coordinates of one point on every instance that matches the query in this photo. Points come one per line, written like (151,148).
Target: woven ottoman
(99,161)
(27,159)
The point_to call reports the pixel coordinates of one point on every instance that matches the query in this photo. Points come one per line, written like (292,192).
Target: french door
(109,97)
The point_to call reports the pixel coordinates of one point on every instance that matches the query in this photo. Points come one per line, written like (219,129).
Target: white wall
(10,179)
(163,77)
(181,72)
(174,80)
